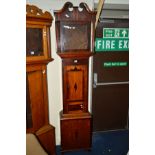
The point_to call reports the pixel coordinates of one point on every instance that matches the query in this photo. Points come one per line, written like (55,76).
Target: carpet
(105,143)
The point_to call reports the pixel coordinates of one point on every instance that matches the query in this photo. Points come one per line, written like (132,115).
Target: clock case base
(76,131)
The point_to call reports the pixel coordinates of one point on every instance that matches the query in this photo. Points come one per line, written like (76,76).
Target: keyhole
(76,134)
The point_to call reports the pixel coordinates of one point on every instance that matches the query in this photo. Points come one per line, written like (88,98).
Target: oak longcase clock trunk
(74,29)
(75,86)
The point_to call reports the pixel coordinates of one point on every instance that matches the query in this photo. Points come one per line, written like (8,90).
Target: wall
(117,1)
(114,1)
(54,67)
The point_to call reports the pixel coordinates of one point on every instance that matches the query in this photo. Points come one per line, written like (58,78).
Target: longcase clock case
(74,28)
(37,57)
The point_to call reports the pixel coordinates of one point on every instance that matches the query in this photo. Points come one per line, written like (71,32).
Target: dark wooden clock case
(37,57)
(74,28)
